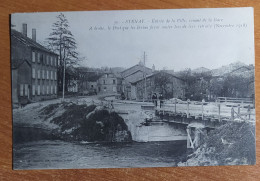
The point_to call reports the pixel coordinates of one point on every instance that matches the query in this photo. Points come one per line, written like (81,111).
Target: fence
(248,100)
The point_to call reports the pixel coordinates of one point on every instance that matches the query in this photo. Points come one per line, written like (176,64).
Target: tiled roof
(28,41)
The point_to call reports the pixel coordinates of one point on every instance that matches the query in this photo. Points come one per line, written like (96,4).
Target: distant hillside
(228,69)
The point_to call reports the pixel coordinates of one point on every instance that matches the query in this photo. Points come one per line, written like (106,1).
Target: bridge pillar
(195,136)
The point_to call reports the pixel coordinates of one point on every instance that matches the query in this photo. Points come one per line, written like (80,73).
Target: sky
(185,38)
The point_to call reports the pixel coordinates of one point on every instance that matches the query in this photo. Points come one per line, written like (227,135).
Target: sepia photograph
(133,88)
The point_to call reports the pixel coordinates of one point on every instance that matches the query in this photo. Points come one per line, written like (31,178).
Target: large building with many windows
(34,69)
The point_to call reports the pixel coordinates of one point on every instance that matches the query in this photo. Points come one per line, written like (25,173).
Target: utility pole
(144,71)
(63,83)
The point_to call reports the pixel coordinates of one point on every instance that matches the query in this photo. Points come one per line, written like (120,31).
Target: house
(132,74)
(87,80)
(158,82)
(29,57)
(109,83)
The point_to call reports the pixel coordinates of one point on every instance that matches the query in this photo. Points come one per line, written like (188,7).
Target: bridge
(198,118)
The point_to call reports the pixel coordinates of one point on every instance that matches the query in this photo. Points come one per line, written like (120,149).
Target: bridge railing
(214,110)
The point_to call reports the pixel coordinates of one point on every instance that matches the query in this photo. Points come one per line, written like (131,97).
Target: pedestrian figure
(154,99)
(112,106)
(161,100)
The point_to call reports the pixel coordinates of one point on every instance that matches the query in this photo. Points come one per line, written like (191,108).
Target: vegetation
(61,41)
(205,86)
(102,126)
(82,122)
(230,144)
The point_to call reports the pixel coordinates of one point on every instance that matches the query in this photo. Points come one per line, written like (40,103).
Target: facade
(87,80)
(21,81)
(42,82)
(109,83)
(132,74)
(159,82)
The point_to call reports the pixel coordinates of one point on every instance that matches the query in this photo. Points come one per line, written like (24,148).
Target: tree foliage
(162,83)
(62,42)
(204,86)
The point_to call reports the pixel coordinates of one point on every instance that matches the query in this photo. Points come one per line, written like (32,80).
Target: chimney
(153,68)
(34,34)
(24,29)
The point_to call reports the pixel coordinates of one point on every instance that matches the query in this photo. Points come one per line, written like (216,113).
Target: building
(132,74)
(109,83)
(21,84)
(29,57)
(87,80)
(158,82)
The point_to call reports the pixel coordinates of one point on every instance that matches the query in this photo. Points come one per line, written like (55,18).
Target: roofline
(134,66)
(41,47)
(154,75)
(22,62)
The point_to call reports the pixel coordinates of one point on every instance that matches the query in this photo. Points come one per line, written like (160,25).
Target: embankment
(73,122)
(230,144)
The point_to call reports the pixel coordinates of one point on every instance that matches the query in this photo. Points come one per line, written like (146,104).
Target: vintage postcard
(134,88)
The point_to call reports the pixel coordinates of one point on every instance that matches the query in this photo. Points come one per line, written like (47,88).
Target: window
(42,59)
(25,89)
(114,89)
(33,73)
(51,90)
(51,75)
(33,56)
(47,59)
(55,63)
(43,92)
(33,90)
(47,90)
(47,76)
(105,89)
(43,71)
(21,89)
(39,74)
(114,81)
(55,75)
(39,57)
(104,82)
(39,90)
(55,90)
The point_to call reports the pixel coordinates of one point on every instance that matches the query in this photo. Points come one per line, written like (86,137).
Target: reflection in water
(47,154)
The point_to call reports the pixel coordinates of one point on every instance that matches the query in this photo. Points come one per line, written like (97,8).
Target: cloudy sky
(175,48)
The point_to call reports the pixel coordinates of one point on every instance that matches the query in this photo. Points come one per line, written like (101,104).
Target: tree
(63,43)
(198,85)
(190,83)
(162,82)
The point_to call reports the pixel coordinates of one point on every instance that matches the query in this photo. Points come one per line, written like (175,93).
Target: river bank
(73,122)
(230,144)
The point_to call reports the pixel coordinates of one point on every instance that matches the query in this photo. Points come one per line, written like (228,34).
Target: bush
(102,126)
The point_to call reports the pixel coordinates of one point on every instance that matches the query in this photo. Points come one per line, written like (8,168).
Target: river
(41,152)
